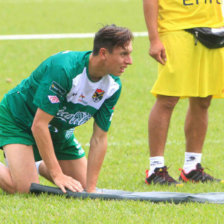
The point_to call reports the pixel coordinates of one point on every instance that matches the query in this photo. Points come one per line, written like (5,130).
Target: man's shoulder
(116,79)
(70,57)
(72,62)
(114,86)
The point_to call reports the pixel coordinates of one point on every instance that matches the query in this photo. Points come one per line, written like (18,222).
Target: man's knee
(17,188)
(24,187)
(202,103)
(167,102)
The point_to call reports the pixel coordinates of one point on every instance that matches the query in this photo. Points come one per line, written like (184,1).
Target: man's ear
(103,52)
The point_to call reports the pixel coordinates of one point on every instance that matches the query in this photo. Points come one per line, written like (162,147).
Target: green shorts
(65,144)
(65,147)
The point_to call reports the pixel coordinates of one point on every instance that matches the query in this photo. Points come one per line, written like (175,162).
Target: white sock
(155,162)
(38,165)
(191,159)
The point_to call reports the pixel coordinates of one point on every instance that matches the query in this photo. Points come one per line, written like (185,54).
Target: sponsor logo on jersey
(76,119)
(81,99)
(53,99)
(56,88)
(98,95)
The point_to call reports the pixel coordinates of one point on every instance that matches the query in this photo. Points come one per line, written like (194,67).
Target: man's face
(119,59)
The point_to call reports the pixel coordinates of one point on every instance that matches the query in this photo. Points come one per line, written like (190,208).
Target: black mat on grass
(105,194)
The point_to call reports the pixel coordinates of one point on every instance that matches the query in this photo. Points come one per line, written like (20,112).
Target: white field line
(57,36)
(144,142)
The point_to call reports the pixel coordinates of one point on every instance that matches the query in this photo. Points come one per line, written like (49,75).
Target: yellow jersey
(183,14)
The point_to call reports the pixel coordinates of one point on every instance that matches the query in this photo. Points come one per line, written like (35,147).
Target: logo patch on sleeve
(53,99)
(56,88)
(98,95)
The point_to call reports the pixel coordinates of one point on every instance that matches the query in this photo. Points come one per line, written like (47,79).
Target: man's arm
(98,147)
(45,146)
(157,50)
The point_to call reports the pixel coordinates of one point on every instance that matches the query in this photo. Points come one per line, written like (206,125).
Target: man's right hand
(66,182)
(157,51)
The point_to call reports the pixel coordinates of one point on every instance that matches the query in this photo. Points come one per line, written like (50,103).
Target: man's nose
(129,60)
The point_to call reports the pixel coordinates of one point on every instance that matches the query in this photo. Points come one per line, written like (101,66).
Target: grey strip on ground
(105,194)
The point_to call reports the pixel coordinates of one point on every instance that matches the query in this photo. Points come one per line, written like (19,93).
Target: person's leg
(158,126)
(195,130)
(21,170)
(196,123)
(76,168)
(71,157)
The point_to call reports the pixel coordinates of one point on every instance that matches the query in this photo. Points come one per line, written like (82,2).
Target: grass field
(127,155)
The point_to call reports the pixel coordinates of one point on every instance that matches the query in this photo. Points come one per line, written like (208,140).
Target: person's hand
(66,182)
(157,51)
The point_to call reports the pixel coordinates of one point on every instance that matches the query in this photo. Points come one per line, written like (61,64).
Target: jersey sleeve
(52,89)
(104,115)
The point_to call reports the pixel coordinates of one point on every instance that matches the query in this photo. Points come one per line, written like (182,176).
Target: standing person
(186,69)
(38,117)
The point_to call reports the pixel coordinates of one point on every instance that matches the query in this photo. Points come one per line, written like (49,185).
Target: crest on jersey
(53,99)
(98,95)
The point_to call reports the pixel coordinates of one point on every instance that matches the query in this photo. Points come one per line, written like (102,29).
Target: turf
(127,155)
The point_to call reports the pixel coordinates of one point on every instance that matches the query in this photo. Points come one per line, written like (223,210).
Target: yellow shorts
(191,70)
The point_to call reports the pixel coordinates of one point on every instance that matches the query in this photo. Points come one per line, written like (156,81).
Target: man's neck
(96,71)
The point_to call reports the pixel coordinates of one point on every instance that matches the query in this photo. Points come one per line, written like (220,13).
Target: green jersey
(61,87)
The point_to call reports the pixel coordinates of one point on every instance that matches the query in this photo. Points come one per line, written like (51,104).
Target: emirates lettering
(199,2)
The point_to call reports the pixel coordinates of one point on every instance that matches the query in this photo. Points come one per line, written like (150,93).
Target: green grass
(127,155)
(59,210)
(58,16)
